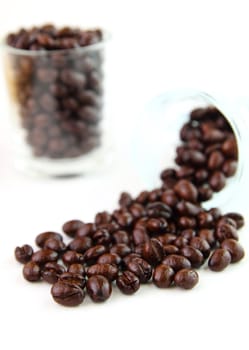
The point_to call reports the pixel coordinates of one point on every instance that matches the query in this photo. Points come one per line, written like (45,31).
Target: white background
(156,45)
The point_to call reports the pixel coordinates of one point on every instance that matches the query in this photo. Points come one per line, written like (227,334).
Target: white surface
(156,45)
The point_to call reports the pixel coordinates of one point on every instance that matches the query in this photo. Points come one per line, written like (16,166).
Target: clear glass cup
(153,148)
(57,107)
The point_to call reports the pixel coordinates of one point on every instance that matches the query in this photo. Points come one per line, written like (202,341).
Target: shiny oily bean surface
(44,255)
(177,262)
(51,272)
(141,268)
(71,227)
(67,294)
(128,283)
(42,237)
(109,258)
(194,255)
(98,288)
(107,270)
(24,253)
(32,271)
(219,260)
(186,278)
(235,249)
(163,276)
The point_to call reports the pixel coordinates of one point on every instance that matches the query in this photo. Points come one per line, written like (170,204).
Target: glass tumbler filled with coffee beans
(55,82)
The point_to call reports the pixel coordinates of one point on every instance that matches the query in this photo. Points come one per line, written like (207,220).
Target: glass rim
(75,50)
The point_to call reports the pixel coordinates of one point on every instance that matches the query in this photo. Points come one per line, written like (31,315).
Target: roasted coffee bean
(67,294)
(54,244)
(71,227)
(238,218)
(229,148)
(76,269)
(140,268)
(124,220)
(51,272)
(187,208)
(180,242)
(217,181)
(200,244)
(107,270)
(93,253)
(158,210)
(229,167)
(205,220)
(204,193)
(167,238)
(44,256)
(177,262)
(169,197)
(215,160)
(42,237)
(224,231)
(73,278)
(156,226)
(186,222)
(225,220)
(142,198)
(121,236)
(128,283)
(163,276)
(32,271)
(137,210)
(216,213)
(169,249)
(102,236)
(208,235)
(24,253)
(109,258)
(234,248)
(129,258)
(120,249)
(186,278)
(103,218)
(72,257)
(188,233)
(186,190)
(80,244)
(219,259)
(152,251)
(86,230)
(201,176)
(193,255)
(125,199)
(98,288)
(140,235)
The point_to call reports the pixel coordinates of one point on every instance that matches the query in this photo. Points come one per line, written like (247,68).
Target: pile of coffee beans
(56,80)
(160,236)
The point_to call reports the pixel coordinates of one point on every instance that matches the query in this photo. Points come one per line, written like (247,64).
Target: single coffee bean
(185,222)
(24,253)
(93,253)
(217,181)
(128,283)
(73,278)
(42,237)
(76,269)
(208,235)
(156,225)
(80,244)
(169,197)
(54,244)
(163,276)
(219,259)
(125,199)
(71,227)
(159,210)
(43,256)
(205,220)
(129,257)
(229,148)
(224,231)
(169,249)
(188,233)
(121,236)
(107,270)
(102,218)
(137,210)
(152,251)
(101,236)
(51,272)
(32,271)
(238,218)
(185,208)
(167,238)
(186,278)
(120,249)
(67,294)
(235,249)
(216,213)
(72,257)
(140,268)
(201,244)
(98,288)
(181,242)
(109,258)
(215,160)
(229,167)
(193,255)
(140,235)
(186,190)
(204,193)
(177,262)
(86,230)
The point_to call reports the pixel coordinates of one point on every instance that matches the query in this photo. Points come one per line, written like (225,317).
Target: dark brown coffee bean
(215,160)
(140,268)
(103,218)
(80,244)
(156,226)
(169,249)
(186,190)
(140,235)
(72,257)
(121,236)
(177,262)
(44,256)
(238,218)
(219,259)
(181,242)
(73,278)
(67,294)
(229,167)
(51,272)
(204,193)
(185,208)
(107,270)
(125,199)
(158,210)
(192,157)
(188,233)
(225,231)
(42,237)
(152,251)
(32,271)
(169,197)
(128,283)
(98,288)
(193,255)
(205,220)
(225,220)
(217,181)
(200,244)
(163,276)
(93,253)
(109,258)
(54,244)
(207,235)
(235,249)
(71,227)
(211,135)
(229,148)
(201,176)
(120,249)
(102,236)
(76,269)
(86,230)
(24,253)
(167,238)
(186,278)
(215,212)
(185,172)
(186,222)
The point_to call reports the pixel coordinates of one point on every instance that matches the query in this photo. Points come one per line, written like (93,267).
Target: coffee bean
(93,253)
(229,148)
(186,278)
(238,218)
(140,235)
(109,258)
(120,249)
(229,167)
(43,256)
(98,288)
(76,268)
(42,237)
(217,181)
(169,249)
(193,255)
(141,268)
(67,294)
(224,231)
(71,227)
(86,230)
(219,259)
(32,271)
(102,236)
(177,262)
(54,244)
(234,248)
(200,244)
(128,283)
(51,272)
(186,190)
(24,253)
(80,244)
(72,257)
(121,236)
(215,160)
(107,270)
(73,278)
(163,276)
(152,251)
